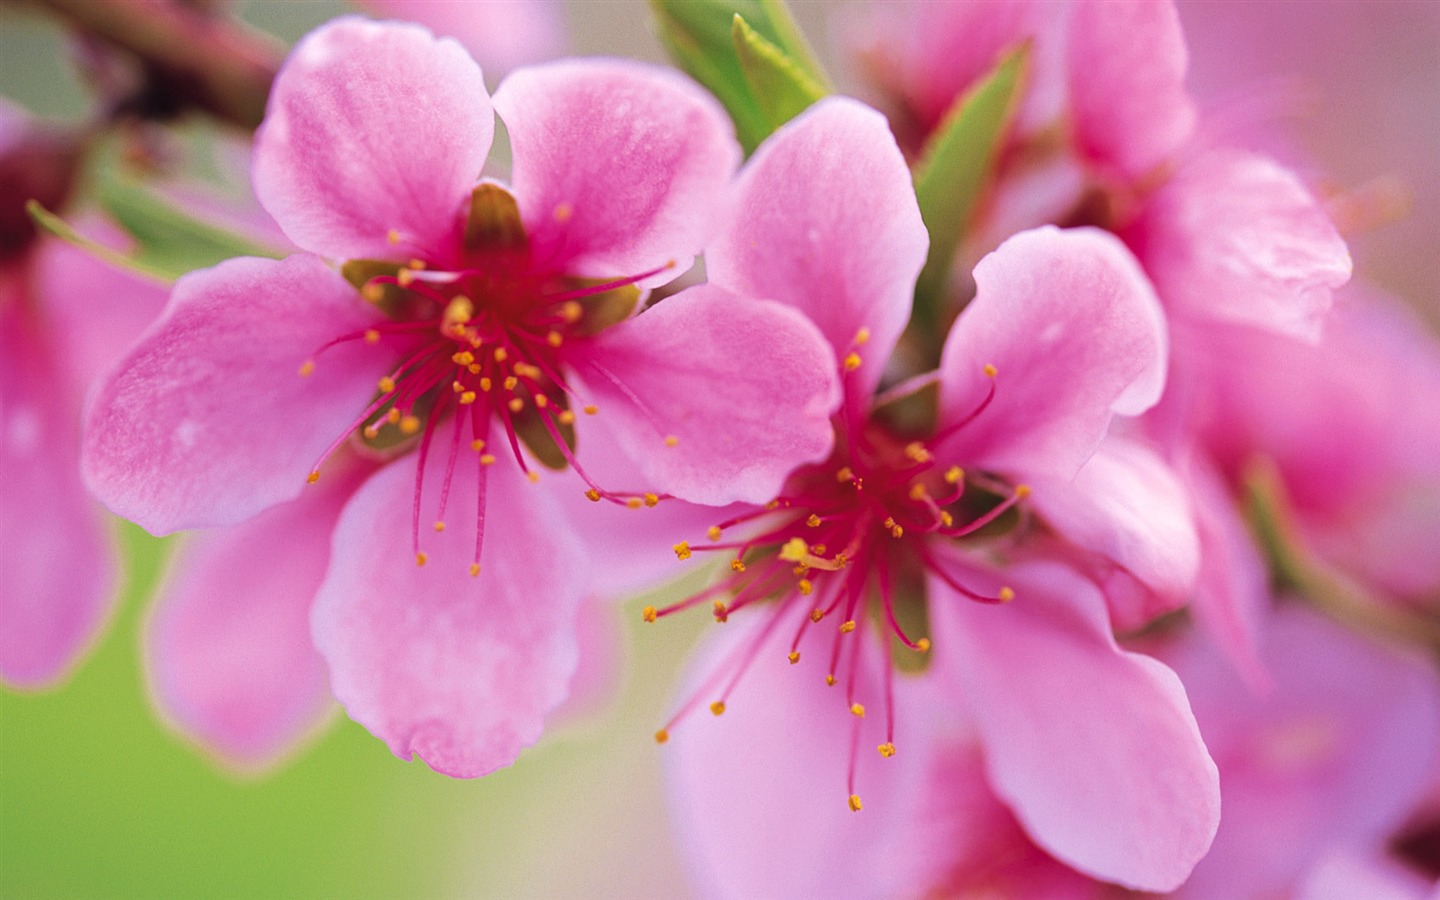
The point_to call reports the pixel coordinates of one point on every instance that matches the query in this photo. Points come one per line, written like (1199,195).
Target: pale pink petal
(758,796)
(619,166)
(1235,237)
(826,221)
(1093,747)
(1075,334)
(1127,83)
(1351,873)
(460,671)
(744,387)
(600,672)
(500,34)
(208,421)
(230,661)
(1129,508)
(57,569)
(373,128)
(1336,755)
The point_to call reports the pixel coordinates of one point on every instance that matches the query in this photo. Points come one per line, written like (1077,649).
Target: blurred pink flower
(1064,333)
(504,34)
(495,314)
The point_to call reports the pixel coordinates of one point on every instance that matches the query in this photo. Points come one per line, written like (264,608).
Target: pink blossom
(489,317)
(1064,334)
(506,34)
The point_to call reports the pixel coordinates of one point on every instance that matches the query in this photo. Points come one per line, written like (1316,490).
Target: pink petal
(231,664)
(1127,506)
(57,569)
(1127,83)
(1336,755)
(1094,747)
(826,221)
(501,34)
(745,387)
(458,670)
(207,420)
(1235,237)
(373,127)
(1076,335)
(601,669)
(618,165)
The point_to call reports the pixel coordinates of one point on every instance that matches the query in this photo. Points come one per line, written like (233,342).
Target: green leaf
(781,88)
(699,37)
(52,224)
(170,241)
(954,170)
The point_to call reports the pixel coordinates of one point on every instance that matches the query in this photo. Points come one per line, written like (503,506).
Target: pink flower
(487,319)
(62,315)
(506,34)
(1064,333)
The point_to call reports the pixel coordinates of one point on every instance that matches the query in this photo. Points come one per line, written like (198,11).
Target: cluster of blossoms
(1004,589)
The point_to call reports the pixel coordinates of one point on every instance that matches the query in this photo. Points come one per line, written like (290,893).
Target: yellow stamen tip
(593,495)
(571,311)
(1022,490)
(541,401)
(591,409)
(648,614)
(794,657)
(830,680)
(474,569)
(652,500)
(954,474)
(718,707)
(307,368)
(467,398)
(816,615)
(439,526)
(805,586)
(671,440)
(682,550)
(392,236)
(409,424)
(501,354)
(887,749)
(554,339)
(510,382)
(486,384)
(662,736)
(847,626)
(563,212)
(713,532)
(844,475)
(406,277)
(854,802)
(393,416)
(862,336)
(813,521)
(857,710)
(477,445)
(566,417)
(312,478)
(916,451)
(722,612)
(372,336)
(991,371)
(462,358)
(1006,595)
(533,475)
(794,550)
(386,384)
(516,404)
(487,459)
(737,564)
(923,645)
(633,503)
(421,558)
(852,361)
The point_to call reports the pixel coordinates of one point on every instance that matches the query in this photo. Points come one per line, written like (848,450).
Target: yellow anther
(393,416)
(565,417)
(671,440)
(525,370)
(1006,595)
(386,384)
(312,478)
(916,451)
(467,398)
(923,645)
(421,558)
(591,409)
(990,371)
(857,710)
(662,736)
(406,277)
(373,292)
(462,358)
(571,311)
(805,586)
(954,474)
(372,336)
(416,264)
(652,499)
(813,521)
(862,336)
(473,368)
(946,519)
(847,626)
(737,564)
(713,532)
(1022,491)
(817,614)
(510,382)
(516,404)
(487,459)
(534,476)
(554,338)
(722,612)
(845,475)
(392,236)
(593,495)
(886,749)
(817,549)
(370,431)
(457,386)
(307,368)
(633,503)
(854,802)
(439,526)
(718,707)
(894,529)
(794,550)
(918,491)
(794,657)
(486,384)
(474,569)
(541,401)
(563,212)
(648,614)
(477,445)
(852,361)
(830,679)
(409,424)
(682,550)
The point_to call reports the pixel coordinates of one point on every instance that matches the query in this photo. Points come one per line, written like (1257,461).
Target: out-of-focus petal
(600,672)
(57,570)
(373,128)
(619,166)
(207,420)
(1127,83)
(826,221)
(458,670)
(1235,237)
(231,664)
(745,388)
(1094,748)
(1075,334)
(500,34)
